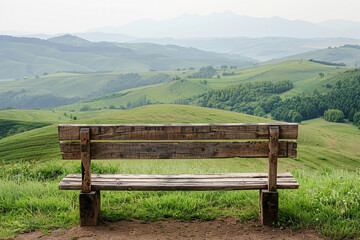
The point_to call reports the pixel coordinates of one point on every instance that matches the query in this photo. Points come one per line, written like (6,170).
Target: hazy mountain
(262,49)
(28,57)
(228,24)
(71,40)
(104,36)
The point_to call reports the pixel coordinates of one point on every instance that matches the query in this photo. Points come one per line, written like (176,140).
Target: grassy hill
(348,55)
(321,144)
(67,88)
(31,169)
(28,57)
(169,92)
(49,116)
(304,75)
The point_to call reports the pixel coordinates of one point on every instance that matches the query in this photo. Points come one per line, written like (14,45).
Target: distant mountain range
(228,24)
(261,49)
(27,57)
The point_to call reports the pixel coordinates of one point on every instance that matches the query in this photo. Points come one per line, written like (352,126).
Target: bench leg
(89,208)
(269,207)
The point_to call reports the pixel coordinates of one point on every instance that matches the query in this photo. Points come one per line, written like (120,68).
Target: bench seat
(179,182)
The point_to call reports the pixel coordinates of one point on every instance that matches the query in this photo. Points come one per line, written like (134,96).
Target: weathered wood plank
(176,182)
(177,131)
(174,150)
(273,157)
(253,180)
(85,159)
(176,186)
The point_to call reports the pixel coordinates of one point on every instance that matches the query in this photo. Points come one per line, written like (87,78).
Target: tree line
(256,98)
(344,96)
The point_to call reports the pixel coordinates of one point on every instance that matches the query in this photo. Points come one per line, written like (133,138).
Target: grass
(326,168)
(49,116)
(11,127)
(168,92)
(328,199)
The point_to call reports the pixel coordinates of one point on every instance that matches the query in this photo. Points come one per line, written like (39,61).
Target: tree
(85,108)
(259,111)
(296,117)
(356,118)
(334,115)
(223,67)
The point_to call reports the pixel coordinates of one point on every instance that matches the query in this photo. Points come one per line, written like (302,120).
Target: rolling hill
(321,144)
(304,75)
(261,49)
(348,54)
(67,88)
(27,57)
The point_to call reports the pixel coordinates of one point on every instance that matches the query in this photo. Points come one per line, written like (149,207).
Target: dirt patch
(173,229)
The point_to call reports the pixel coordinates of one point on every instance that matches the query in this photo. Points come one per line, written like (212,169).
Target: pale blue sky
(54,16)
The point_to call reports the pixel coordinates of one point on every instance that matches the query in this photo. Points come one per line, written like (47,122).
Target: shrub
(334,115)
(85,108)
(356,118)
(296,117)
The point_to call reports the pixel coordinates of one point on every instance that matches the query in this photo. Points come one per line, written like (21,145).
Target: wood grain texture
(269,207)
(273,156)
(195,182)
(85,159)
(89,208)
(176,150)
(177,131)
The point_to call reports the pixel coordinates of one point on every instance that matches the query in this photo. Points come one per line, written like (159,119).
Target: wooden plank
(273,156)
(177,131)
(252,180)
(292,149)
(195,182)
(85,159)
(173,150)
(207,186)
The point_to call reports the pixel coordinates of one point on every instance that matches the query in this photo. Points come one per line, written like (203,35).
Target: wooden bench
(88,145)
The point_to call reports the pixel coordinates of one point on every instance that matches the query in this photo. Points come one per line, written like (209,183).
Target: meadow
(326,168)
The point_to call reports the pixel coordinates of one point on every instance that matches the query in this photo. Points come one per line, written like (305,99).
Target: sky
(70,16)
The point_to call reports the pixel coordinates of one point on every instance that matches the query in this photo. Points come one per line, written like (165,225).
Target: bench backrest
(89,147)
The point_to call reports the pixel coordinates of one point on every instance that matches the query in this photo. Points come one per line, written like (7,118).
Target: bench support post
(85,159)
(269,207)
(89,208)
(269,199)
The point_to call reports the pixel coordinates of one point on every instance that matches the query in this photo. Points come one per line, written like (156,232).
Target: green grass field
(326,168)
